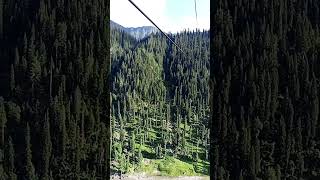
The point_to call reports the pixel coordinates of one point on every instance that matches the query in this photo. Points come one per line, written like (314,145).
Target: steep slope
(54,95)
(265,89)
(160,102)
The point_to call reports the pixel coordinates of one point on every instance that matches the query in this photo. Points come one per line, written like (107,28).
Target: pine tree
(29,171)
(77,102)
(63,132)
(50,80)
(271,174)
(46,148)
(132,143)
(140,157)
(278,172)
(77,157)
(34,68)
(3,121)
(252,165)
(12,78)
(3,174)
(258,155)
(10,160)
(315,107)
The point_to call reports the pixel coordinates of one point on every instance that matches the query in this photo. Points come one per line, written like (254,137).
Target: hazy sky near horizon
(170,15)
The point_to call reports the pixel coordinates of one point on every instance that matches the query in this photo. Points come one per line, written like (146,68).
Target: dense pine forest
(265,89)
(160,104)
(54,98)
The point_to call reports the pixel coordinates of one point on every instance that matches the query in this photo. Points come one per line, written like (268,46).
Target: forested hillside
(160,105)
(54,99)
(265,82)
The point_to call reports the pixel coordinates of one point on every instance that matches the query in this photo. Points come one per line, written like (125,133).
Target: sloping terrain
(160,105)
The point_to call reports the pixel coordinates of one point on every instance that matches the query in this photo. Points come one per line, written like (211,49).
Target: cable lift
(195,9)
(195,6)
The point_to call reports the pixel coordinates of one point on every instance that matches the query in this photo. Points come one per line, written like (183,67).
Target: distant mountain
(137,32)
(141,32)
(114,25)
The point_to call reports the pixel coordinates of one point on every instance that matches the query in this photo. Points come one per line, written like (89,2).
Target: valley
(160,104)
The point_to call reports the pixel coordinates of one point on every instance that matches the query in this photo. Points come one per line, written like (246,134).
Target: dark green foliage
(3,121)
(10,160)
(28,171)
(159,98)
(54,93)
(46,148)
(265,89)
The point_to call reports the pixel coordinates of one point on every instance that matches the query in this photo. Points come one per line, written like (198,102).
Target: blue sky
(170,15)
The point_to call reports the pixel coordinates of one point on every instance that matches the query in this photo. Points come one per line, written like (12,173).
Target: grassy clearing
(170,166)
(144,148)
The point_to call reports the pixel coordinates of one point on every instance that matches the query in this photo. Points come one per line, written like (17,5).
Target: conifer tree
(46,148)
(3,174)
(29,171)
(10,160)
(3,121)
(12,78)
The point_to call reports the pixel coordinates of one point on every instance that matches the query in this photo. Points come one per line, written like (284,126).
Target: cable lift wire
(155,25)
(195,9)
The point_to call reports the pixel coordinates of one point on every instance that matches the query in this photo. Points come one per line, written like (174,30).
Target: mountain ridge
(137,32)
